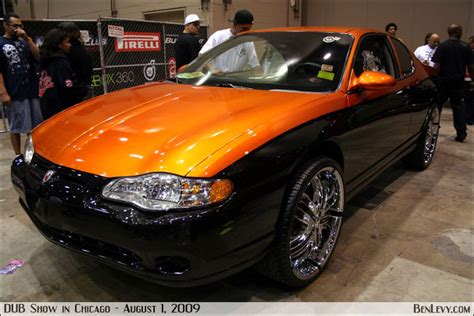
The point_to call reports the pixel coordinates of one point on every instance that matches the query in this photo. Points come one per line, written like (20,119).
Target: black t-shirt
(453,56)
(186,49)
(18,67)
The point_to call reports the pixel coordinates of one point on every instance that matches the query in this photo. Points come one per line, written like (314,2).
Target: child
(58,88)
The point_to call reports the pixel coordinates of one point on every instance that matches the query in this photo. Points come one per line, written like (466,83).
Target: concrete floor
(408,237)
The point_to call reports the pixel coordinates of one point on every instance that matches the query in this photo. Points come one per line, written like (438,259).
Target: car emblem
(48,175)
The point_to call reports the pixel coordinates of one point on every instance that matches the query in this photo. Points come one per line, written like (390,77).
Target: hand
(5,98)
(213,70)
(20,33)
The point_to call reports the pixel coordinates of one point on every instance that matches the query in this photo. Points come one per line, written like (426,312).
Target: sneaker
(460,138)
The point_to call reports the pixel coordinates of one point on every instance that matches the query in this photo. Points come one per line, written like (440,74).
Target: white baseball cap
(192,18)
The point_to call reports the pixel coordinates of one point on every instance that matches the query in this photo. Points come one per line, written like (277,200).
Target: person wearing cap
(238,58)
(243,21)
(187,46)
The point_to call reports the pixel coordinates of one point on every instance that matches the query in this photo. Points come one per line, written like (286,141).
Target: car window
(303,61)
(374,54)
(406,62)
(237,59)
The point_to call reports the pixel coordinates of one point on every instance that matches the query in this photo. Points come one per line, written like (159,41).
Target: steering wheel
(309,66)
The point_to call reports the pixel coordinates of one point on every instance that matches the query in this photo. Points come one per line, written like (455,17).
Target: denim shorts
(24,115)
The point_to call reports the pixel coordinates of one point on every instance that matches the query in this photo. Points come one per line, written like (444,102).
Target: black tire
(307,230)
(422,156)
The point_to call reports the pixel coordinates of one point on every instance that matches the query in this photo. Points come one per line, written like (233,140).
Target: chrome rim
(432,133)
(317,222)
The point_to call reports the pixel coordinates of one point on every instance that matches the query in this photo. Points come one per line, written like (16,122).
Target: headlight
(29,149)
(160,191)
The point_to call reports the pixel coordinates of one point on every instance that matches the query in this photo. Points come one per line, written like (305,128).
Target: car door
(379,119)
(417,94)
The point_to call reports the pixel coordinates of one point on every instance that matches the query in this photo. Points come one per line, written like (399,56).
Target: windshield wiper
(230,85)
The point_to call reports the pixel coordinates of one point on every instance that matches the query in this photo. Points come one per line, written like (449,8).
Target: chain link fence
(125,53)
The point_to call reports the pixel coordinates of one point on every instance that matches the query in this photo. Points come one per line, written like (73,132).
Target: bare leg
(16,143)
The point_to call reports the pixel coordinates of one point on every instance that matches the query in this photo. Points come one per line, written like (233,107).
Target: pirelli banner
(125,53)
(139,52)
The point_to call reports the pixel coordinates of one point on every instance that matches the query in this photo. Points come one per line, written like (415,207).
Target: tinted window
(374,54)
(405,58)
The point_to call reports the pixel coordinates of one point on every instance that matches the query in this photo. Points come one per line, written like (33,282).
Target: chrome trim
(431,139)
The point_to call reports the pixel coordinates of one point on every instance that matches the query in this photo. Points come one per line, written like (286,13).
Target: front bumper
(176,248)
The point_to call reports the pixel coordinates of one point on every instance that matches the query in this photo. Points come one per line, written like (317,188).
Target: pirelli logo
(138,42)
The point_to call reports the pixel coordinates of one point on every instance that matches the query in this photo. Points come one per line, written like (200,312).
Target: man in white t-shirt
(426,52)
(240,57)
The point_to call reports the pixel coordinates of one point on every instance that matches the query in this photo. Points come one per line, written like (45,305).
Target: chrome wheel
(316,223)
(431,139)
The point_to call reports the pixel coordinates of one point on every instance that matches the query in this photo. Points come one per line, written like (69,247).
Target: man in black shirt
(469,99)
(18,80)
(187,46)
(452,58)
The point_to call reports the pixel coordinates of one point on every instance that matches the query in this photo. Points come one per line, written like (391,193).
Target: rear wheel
(309,225)
(425,149)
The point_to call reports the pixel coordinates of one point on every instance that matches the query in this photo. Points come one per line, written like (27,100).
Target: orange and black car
(248,158)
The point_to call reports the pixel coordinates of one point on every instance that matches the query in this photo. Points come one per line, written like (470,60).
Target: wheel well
(328,149)
(333,151)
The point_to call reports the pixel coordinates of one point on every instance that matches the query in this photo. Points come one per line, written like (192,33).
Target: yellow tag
(326,75)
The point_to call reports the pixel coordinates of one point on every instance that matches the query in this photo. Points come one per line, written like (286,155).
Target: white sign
(85,35)
(330,39)
(149,71)
(237,309)
(115,31)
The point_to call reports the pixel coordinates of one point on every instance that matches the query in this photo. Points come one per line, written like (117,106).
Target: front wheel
(309,225)
(425,149)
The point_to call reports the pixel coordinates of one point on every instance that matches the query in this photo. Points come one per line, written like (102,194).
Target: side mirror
(373,80)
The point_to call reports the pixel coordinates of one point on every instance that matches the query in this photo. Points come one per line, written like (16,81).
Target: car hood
(172,128)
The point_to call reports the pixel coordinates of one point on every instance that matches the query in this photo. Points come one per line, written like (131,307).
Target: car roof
(356,31)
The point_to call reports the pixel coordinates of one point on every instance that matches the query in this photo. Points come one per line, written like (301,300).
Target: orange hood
(180,129)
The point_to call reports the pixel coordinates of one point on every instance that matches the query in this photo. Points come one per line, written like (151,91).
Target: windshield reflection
(306,61)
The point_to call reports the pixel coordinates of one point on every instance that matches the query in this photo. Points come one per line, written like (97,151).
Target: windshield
(305,61)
